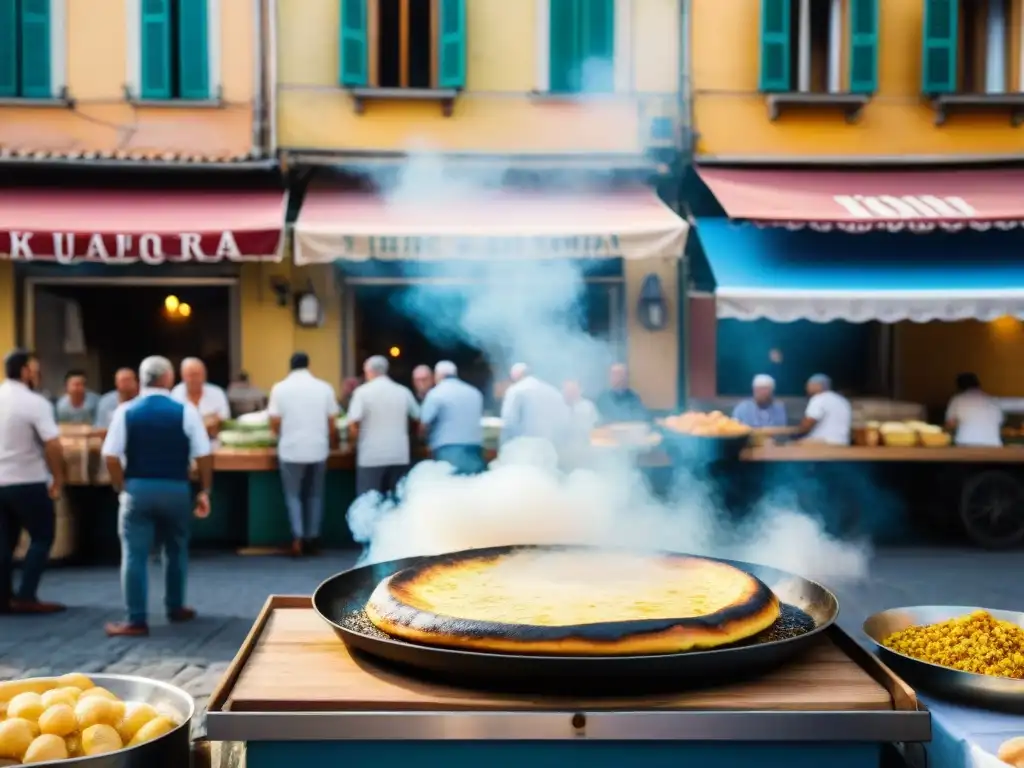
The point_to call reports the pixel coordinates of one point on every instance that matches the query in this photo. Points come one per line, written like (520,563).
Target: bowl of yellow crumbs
(961,653)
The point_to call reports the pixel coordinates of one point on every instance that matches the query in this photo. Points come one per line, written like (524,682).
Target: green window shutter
(565,53)
(451,59)
(775,45)
(863,46)
(597,45)
(193,50)
(156,49)
(8,49)
(354,53)
(35,49)
(939,67)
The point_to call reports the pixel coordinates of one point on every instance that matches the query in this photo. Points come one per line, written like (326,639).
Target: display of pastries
(48,719)
(572,601)
(713,424)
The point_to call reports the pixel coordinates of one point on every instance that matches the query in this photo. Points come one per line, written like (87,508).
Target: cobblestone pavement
(228,591)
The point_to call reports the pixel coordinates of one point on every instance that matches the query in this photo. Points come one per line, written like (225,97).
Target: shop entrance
(104,325)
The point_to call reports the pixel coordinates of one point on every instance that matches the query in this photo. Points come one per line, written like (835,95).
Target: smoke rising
(530,311)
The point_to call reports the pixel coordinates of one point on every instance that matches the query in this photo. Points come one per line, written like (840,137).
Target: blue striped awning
(823,276)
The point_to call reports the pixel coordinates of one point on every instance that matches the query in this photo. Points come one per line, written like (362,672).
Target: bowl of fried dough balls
(94,721)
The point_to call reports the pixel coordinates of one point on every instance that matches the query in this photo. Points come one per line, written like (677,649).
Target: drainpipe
(689,152)
(272,77)
(257,79)
(995,48)
(804,63)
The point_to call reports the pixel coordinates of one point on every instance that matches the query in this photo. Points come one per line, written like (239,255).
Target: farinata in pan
(572,601)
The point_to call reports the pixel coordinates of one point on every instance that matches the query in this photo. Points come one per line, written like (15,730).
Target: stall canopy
(784,276)
(862,201)
(359,226)
(151,226)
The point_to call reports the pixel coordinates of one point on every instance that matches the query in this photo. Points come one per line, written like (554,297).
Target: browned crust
(391,608)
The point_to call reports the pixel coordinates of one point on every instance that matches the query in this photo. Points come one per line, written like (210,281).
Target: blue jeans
(161,511)
(303,486)
(467,459)
(25,506)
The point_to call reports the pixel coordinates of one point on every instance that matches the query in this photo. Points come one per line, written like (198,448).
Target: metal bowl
(1002,693)
(172,750)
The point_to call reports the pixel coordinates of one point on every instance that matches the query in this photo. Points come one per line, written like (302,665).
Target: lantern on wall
(650,305)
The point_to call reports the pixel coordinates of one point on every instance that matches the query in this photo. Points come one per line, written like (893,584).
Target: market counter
(297,696)
(954,454)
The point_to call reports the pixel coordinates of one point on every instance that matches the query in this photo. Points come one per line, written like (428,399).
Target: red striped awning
(861,201)
(153,226)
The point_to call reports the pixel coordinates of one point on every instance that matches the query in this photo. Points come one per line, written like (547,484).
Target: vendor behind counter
(619,403)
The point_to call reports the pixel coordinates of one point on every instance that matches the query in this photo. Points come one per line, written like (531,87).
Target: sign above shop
(427,248)
(149,248)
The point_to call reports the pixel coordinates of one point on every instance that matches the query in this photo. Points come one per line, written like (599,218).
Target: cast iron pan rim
(549,659)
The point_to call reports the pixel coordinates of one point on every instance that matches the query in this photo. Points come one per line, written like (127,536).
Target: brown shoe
(35,607)
(181,615)
(126,629)
(311,546)
(296,549)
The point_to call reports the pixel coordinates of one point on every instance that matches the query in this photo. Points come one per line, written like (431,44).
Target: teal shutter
(354,50)
(597,45)
(451,48)
(863,46)
(775,45)
(564,62)
(8,49)
(156,49)
(35,49)
(939,67)
(193,50)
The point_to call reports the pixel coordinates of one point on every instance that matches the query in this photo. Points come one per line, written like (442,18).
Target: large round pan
(808,609)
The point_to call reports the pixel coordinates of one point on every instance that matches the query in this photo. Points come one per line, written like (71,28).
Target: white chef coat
(534,408)
(26,423)
(978,417)
(213,401)
(833,416)
(305,405)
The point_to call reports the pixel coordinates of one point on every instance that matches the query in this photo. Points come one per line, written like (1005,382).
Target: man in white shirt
(302,412)
(211,400)
(150,445)
(379,417)
(975,418)
(533,408)
(828,416)
(31,479)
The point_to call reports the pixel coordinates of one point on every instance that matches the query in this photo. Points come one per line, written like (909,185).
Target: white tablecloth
(965,737)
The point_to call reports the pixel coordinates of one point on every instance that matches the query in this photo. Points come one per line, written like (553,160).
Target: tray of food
(960,653)
(705,437)
(94,721)
(630,435)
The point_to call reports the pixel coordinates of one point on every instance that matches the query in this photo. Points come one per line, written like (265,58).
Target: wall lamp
(650,305)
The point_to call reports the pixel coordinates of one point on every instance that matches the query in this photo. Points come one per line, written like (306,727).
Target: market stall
(900,248)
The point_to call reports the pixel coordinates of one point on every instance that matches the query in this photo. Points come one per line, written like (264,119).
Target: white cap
(763,380)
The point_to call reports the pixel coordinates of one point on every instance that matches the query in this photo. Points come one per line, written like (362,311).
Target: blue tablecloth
(965,737)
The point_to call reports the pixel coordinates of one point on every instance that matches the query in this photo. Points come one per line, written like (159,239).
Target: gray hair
(153,369)
(519,370)
(192,361)
(821,380)
(378,364)
(763,380)
(445,368)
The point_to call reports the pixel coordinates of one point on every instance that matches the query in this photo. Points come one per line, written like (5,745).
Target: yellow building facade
(468,80)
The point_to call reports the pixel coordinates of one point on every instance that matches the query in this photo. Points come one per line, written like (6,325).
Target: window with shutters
(819,53)
(25,65)
(973,56)
(582,40)
(403,48)
(174,50)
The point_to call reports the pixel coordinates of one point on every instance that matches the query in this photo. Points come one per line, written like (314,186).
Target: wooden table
(1010,454)
(296,695)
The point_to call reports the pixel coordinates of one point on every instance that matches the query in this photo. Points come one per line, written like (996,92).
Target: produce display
(910,433)
(551,601)
(1011,752)
(57,718)
(251,430)
(714,424)
(978,643)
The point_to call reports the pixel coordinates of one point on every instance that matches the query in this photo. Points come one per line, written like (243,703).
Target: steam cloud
(529,311)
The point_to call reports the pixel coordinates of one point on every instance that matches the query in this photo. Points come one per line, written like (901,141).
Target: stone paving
(228,591)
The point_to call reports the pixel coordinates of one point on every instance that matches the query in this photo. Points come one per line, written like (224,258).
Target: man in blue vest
(149,448)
